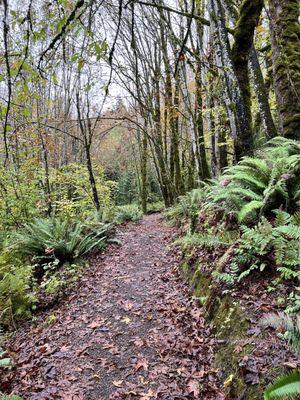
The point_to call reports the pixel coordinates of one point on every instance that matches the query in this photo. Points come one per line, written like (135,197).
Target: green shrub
(155,207)
(130,212)
(188,207)
(21,195)
(71,192)
(16,295)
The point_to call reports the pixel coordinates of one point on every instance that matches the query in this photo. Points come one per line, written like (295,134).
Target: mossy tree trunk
(249,14)
(205,171)
(144,149)
(262,96)
(285,42)
(235,69)
(264,115)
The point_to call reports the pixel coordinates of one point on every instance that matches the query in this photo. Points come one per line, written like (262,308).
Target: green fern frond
(247,180)
(279,143)
(285,387)
(249,208)
(282,217)
(246,193)
(296,218)
(288,273)
(66,240)
(258,165)
(292,231)
(206,240)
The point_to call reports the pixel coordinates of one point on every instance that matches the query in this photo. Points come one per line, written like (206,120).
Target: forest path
(130,331)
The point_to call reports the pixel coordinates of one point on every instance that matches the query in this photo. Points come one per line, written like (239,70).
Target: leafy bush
(130,212)
(21,195)
(155,207)
(16,296)
(57,239)
(188,207)
(71,193)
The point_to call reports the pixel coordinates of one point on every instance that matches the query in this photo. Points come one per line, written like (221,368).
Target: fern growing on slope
(208,240)
(188,206)
(265,244)
(255,186)
(288,324)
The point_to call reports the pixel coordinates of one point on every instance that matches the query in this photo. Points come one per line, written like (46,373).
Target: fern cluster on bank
(188,206)
(207,240)
(254,205)
(266,245)
(257,185)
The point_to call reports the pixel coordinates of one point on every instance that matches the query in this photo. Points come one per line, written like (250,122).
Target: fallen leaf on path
(118,383)
(193,388)
(149,395)
(141,363)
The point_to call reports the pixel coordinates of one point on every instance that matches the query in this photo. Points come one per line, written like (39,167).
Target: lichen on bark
(285,41)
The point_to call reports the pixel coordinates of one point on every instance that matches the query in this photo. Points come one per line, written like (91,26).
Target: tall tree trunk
(144,146)
(91,176)
(211,128)
(47,173)
(262,96)
(86,136)
(261,90)
(221,149)
(285,42)
(166,183)
(249,14)
(205,173)
(234,98)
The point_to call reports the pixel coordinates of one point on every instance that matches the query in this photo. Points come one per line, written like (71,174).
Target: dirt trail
(130,331)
